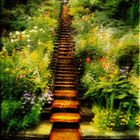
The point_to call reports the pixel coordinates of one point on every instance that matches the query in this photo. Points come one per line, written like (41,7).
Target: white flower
(40,29)
(33,31)
(17,33)
(35,27)
(27,36)
(28,40)
(24,32)
(10,33)
(29,46)
(15,40)
(12,40)
(39,42)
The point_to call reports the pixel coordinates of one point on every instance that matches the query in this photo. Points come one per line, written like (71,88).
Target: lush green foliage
(108,50)
(24,64)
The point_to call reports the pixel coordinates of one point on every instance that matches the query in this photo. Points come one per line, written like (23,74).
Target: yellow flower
(34,55)
(112,124)
(123,120)
(7,69)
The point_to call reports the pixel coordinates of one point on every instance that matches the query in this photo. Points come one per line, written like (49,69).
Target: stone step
(65,104)
(65,49)
(65,57)
(65,82)
(64,30)
(65,62)
(73,92)
(65,78)
(64,86)
(65,41)
(65,117)
(64,36)
(65,65)
(63,46)
(63,53)
(63,94)
(64,134)
(67,68)
(70,70)
(65,75)
(60,43)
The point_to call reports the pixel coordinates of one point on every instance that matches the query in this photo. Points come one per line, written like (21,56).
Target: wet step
(65,57)
(69,93)
(65,117)
(65,104)
(64,78)
(64,30)
(65,75)
(59,52)
(66,71)
(62,97)
(64,36)
(64,134)
(64,33)
(64,53)
(66,82)
(64,46)
(66,68)
(65,40)
(65,63)
(65,43)
(65,94)
(66,49)
(64,86)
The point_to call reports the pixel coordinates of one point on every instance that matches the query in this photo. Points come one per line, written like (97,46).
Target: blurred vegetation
(107,46)
(14,13)
(25,57)
(126,10)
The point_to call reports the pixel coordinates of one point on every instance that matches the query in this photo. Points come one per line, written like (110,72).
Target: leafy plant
(107,48)
(25,73)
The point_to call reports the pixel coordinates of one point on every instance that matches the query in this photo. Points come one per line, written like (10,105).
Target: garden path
(65,108)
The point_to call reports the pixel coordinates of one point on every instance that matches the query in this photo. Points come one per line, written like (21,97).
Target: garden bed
(107,45)
(26,76)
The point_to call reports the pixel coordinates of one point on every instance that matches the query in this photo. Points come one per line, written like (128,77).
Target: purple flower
(26,94)
(46,95)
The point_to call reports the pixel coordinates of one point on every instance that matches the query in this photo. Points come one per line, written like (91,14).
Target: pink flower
(88,60)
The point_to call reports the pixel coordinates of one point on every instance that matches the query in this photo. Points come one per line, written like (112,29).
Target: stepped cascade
(65,107)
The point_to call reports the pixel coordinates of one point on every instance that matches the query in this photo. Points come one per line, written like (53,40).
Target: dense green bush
(107,47)
(25,73)
(14,14)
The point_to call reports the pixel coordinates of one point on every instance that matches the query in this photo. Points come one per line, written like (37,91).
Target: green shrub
(108,50)
(9,109)
(25,73)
